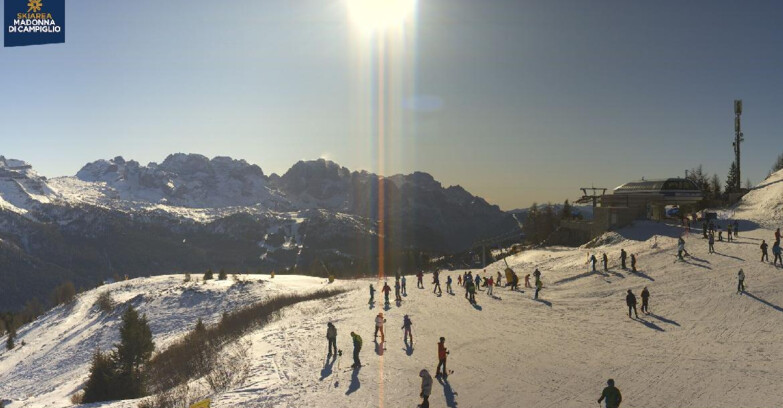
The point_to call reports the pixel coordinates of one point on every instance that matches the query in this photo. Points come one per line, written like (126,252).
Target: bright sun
(378,15)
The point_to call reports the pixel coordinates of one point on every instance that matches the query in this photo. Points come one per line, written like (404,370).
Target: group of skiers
(776,250)
(630,300)
(605,260)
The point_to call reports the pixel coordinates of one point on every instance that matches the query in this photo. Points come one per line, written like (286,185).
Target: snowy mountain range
(189,212)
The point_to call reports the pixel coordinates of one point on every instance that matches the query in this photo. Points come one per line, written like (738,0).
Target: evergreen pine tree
(731,179)
(715,187)
(778,164)
(9,343)
(566,212)
(208,275)
(101,384)
(222,275)
(529,225)
(133,353)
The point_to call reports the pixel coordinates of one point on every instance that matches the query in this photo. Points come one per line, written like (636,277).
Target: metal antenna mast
(738,139)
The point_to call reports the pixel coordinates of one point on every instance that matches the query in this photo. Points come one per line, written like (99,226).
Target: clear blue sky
(535,98)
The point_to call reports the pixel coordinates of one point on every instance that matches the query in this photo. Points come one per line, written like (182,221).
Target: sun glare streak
(384,39)
(375,15)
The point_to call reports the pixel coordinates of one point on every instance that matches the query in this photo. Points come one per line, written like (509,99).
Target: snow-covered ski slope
(703,345)
(764,203)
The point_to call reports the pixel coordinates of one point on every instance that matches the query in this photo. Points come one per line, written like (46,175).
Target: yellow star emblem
(35,5)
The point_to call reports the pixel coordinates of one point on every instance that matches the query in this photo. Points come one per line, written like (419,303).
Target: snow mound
(764,203)
(607,238)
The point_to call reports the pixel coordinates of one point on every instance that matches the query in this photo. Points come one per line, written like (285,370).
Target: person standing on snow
(776,254)
(331,336)
(527,281)
(645,300)
(404,289)
(729,232)
(605,260)
(419,283)
(468,279)
(539,285)
(680,248)
(386,290)
(764,255)
(711,243)
(740,282)
(448,285)
(593,261)
(490,283)
(623,255)
(704,229)
(406,326)
(459,279)
(397,296)
(379,321)
(426,388)
(630,300)
(471,291)
(442,353)
(436,282)
(357,347)
(633,262)
(477,281)
(611,394)
(497,282)
(372,294)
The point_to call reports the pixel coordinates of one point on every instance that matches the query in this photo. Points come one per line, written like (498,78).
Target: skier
(404,289)
(680,248)
(764,255)
(372,294)
(497,282)
(406,325)
(419,283)
(448,285)
(740,282)
(729,232)
(379,321)
(605,260)
(490,283)
(776,254)
(645,299)
(704,229)
(623,255)
(386,289)
(357,346)
(720,234)
(331,336)
(611,394)
(471,291)
(477,281)
(436,282)
(711,242)
(630,300)
(459,280)
(539,285)
(527,281)
(515,281)
(442,353)
(537,274)
(593,261)
(426,388)
(468,279)
(633,262)
(397,296)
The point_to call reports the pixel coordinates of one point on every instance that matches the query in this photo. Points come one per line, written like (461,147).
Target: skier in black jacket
(645,299)
(630,300)
(623,255)
(764,255)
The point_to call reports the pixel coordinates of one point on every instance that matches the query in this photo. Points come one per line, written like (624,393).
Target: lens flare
(379,15)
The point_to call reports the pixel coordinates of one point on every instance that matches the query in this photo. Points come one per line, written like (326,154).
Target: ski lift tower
(593,197)
(738,138)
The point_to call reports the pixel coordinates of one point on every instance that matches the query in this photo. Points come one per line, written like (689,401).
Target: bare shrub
(231,367)
(77,398)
